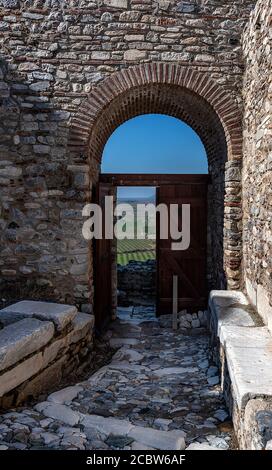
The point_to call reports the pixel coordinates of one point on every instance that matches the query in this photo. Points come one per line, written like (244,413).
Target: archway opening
(150,144)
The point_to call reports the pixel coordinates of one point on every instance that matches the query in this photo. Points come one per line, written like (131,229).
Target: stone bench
(244,349)
(40,343)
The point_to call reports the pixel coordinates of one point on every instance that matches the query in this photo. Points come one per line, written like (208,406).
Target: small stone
(213,380)
(195,323)
(221,415)
(118,442)
(162,423)
(213,370)
(40,86)
(10,3)
(134,55)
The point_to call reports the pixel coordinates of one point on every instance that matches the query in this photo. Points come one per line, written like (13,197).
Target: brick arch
(208,108)
(126,84)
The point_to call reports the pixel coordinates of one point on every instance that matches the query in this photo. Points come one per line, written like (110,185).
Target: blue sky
(153,143)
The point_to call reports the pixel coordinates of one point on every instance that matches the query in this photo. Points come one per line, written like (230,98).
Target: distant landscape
(136,250)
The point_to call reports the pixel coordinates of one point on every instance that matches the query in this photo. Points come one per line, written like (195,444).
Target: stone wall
(137,283)
(257,160)
(54,53)
(41,344)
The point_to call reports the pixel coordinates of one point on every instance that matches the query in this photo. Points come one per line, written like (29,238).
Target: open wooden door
(102,266)
(189,265)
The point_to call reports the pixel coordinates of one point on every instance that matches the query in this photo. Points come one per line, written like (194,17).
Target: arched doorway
(200,102)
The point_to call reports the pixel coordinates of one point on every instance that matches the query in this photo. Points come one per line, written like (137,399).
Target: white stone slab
(59,412)
(249,357)
(106,425)
(226,298)
(175,370)
(23,338)
(227,309)
(161,440)
(60,314)
(66,395)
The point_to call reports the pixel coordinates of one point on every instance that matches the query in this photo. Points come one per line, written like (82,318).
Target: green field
(135,250)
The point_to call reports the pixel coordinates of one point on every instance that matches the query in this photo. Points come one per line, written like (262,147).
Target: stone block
(19,374)
(66,395)
(106,425)
(264,307)
(43,381)
(23,338)
(229,308)
(134,54)
(201,446)
(60,314)
(58,412)
(52,351)
(161,440)
(82,324)
(249,357)
(116,3)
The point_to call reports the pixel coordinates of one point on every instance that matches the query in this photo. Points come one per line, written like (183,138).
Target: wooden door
(189,265)
(103,266)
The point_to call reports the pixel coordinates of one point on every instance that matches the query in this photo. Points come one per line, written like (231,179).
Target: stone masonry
(71,71)
(41,344)
(257,161)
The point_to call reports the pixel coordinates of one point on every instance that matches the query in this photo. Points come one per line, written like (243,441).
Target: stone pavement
(158,392)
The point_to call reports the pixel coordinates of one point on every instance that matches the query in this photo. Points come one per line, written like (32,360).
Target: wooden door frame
(155,180)
(152,179)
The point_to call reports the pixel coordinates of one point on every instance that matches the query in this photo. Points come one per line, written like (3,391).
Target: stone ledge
(61,315)
(228,308)
(244,350)
(23,338)
(249,358)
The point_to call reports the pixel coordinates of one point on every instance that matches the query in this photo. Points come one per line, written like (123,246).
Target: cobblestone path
(158,392)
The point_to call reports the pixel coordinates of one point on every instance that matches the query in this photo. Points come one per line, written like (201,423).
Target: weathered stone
(59,412)
(248,352)
(174,370)
(10,3)
(161,440)
(61,315)
(65,395)
(134,55)
(106,425)
(20,373)
(23,338)
(202,446)
(116,3)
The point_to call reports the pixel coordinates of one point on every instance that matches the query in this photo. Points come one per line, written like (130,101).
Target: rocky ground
(158,392)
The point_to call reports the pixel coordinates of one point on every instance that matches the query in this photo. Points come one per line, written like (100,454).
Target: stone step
(60,314)
(152,438)
(21,339)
